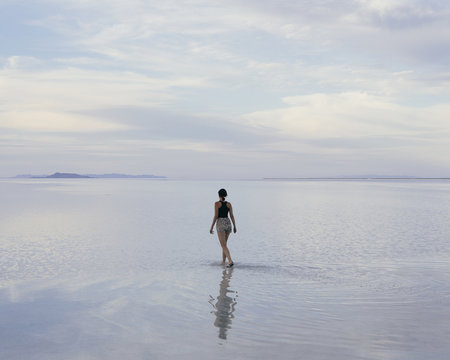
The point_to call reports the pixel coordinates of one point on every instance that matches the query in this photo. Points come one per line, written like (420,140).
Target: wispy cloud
(236,81)
(351,115)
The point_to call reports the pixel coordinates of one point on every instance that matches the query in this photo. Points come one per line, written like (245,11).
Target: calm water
(127,269)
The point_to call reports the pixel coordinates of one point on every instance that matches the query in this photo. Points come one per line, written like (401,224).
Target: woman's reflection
(224,307)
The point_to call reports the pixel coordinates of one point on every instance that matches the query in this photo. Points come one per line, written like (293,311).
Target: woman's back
(223,209)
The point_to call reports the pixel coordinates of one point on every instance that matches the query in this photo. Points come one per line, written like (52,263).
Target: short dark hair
(223,193)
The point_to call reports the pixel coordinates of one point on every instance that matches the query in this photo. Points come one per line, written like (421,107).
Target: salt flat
(115,269)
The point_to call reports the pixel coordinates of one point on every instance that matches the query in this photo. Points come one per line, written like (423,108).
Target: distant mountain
(59,175)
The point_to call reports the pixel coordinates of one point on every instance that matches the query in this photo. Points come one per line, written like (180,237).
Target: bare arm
(216,215)
(232,217)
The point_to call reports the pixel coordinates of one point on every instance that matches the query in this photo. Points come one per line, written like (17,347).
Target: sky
(225,89)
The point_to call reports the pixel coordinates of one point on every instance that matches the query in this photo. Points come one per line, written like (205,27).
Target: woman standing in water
(223,224)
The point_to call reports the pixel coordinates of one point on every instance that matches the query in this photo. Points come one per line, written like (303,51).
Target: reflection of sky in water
(225,304)
(121,269)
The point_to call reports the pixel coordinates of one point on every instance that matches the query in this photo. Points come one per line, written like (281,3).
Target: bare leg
(230,263)
(223,237)
(224,257)
(227,234)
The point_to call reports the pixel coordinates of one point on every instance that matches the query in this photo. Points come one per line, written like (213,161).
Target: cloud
(47,121)
(235,43)
(74,88)
(51,100)
(254,80)
(214,38)
(161,125)
(349,120)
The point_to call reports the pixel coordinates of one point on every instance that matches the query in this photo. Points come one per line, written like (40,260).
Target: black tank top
(223,210)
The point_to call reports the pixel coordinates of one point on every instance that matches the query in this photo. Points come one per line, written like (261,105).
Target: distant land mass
(361,177)
(60,175)
(125,176)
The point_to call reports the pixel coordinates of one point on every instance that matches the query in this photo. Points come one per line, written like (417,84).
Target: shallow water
(127,269)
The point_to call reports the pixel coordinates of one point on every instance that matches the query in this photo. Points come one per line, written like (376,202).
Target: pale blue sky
(225,89)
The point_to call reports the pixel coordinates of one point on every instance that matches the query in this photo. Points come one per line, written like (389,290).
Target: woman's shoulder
(219,203)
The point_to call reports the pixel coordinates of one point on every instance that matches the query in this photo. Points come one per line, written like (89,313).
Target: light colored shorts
(223,225)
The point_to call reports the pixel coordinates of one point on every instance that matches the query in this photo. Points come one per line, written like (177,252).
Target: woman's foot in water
(230,264)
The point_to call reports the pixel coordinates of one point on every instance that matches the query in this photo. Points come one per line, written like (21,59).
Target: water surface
(115,269)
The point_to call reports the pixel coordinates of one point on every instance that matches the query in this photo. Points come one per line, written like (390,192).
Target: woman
(223,225)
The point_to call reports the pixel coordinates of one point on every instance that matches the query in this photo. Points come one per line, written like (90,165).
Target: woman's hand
(211,231)
(234,229)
